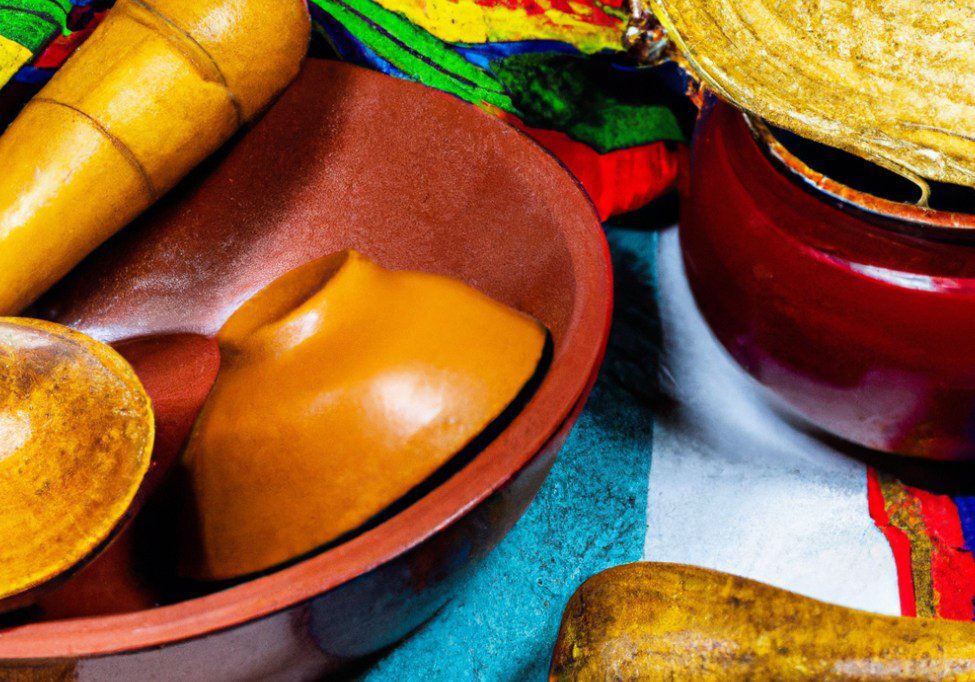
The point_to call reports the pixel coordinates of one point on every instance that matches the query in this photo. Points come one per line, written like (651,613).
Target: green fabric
(33,23)
(587,99)
(416,52)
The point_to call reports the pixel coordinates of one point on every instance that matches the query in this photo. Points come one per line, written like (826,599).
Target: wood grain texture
(656,621)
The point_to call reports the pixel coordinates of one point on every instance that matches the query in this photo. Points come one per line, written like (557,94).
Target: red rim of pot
(920,216)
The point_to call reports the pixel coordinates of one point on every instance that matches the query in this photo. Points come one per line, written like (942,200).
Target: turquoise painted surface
(589,515)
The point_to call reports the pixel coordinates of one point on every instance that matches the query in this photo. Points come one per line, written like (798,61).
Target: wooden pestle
(157,88)
(657,621)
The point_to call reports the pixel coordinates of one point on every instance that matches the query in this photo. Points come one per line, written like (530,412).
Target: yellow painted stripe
(12,56)
(466,21)
(904,511)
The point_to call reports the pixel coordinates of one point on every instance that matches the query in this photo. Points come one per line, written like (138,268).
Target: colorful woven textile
(552,68)
(26,28)
(36,37)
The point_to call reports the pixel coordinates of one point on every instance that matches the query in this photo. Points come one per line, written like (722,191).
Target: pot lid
(892,81)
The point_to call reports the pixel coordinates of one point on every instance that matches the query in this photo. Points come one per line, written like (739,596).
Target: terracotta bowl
(412,178)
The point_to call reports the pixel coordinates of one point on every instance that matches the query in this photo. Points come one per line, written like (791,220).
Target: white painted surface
(735,488)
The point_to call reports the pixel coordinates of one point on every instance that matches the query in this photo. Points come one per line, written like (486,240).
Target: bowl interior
(413,179)
(344,159)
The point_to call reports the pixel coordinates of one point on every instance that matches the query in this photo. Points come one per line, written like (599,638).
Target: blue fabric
(346,46)
(485,53)
(966,514)
(589,515)
(30,74)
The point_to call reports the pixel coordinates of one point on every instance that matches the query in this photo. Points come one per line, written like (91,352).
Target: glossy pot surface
(858,314)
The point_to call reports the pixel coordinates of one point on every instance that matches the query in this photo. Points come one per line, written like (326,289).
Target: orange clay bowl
(412,178)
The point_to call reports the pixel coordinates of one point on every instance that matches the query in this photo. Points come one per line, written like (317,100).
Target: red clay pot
(412,178)
(858,313)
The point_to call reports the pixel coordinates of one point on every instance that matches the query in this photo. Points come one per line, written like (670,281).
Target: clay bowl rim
(557,400)
(934,222)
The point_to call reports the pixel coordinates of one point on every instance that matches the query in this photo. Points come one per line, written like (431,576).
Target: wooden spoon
(76,436)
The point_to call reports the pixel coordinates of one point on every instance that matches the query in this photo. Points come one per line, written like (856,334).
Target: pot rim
(557,400)
(923,217)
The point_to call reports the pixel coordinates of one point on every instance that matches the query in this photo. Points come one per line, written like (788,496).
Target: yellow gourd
(655,621)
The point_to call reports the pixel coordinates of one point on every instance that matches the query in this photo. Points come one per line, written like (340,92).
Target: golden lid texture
(892,81)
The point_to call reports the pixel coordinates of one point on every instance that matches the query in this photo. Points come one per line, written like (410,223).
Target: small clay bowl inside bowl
(857,311)
(411,178)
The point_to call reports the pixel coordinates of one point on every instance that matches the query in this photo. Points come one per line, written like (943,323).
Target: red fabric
(938,542)
(63,46)
(593,12)
(619,181)
(900,545)
(952,565)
